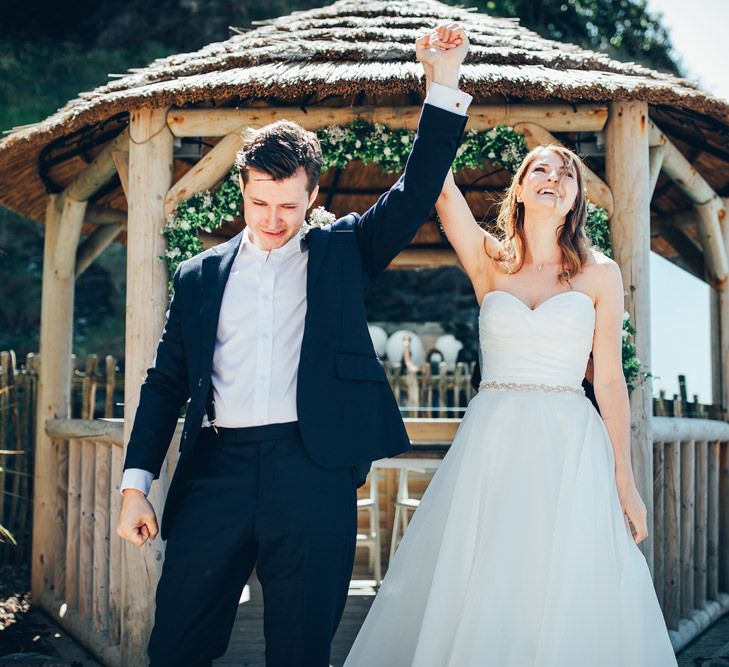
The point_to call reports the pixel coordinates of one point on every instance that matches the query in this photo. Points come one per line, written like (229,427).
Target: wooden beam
(107,431)
(655,161)
(102,215)
(150,177)
(596,189)
(712,241)
(121,162)
(69,233)
(220,122)
(707,202)
(626,170)
(54,394)
(95,244)
(206,172)
(424,258)
(98,172)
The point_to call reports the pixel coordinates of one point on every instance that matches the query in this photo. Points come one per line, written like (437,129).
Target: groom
(267,337)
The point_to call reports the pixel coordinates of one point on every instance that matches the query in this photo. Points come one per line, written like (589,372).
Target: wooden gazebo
(107,167)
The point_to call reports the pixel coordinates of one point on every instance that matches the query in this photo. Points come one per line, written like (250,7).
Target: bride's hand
(444,48)
(634,510)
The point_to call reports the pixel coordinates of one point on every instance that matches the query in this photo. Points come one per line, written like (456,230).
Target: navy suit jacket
(347,413)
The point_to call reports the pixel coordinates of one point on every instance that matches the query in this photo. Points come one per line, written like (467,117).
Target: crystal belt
(519,386)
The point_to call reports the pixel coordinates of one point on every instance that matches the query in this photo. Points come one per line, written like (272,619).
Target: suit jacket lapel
(215,272)
(317,241)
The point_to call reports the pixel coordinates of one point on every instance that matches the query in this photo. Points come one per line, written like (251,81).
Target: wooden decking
(247,646)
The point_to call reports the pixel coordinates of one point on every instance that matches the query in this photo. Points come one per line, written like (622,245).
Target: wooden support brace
(121,161)
(64,253)
(655,161)
(95,244)
(98,172)
(206,173)
(596,189)
(708,204)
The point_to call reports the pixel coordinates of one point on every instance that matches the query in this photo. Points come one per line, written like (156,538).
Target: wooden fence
(96,392)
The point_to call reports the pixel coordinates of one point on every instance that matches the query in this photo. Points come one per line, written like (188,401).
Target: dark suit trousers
(263,502)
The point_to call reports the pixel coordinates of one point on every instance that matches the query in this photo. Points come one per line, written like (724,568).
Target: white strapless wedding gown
(519,555)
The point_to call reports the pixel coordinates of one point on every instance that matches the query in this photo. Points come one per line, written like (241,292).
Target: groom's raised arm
(391,223)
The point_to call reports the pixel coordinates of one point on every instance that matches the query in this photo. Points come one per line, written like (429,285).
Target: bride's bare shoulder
(600,272)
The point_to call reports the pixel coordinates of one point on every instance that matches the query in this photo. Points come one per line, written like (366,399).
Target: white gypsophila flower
(228,217)
(387,151)
(207,200)
(511,154)
(320,217)
(211,215)
(626,315)
(336,134)
(461,150)
(184,225)
(191,210)
(405,139)
(358,144)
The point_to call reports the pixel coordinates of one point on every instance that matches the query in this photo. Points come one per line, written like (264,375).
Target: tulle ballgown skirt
(519,554)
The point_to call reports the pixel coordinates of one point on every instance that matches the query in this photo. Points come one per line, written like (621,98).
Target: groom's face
(275,210)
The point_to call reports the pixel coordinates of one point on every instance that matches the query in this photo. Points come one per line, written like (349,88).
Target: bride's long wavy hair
(571,235)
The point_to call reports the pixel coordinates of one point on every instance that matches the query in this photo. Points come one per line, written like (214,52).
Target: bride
(523,551)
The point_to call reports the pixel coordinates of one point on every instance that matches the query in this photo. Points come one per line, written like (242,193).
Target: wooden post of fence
(672,562)
(150,177)
(54,386)
(110,364)
(627,173)
(712,529)
(702,517)
(659,514)
(88,387)
(688,494)
(724,517)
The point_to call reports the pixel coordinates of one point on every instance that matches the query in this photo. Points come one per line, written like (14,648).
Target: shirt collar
(294,245)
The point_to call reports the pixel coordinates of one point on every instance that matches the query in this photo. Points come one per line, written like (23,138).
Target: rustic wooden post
(627,173)
(54,390)
(688,494)
(723,309)
(672,564)
(150,178)
(702,519)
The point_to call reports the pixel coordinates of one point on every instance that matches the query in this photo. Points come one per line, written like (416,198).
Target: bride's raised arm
(470,241)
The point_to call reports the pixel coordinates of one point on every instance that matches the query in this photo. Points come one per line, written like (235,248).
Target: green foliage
(37,77)
(624,29)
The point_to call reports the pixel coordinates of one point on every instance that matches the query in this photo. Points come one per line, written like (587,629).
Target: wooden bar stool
(371,539)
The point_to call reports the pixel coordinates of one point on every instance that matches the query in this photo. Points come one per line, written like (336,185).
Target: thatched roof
(356,51)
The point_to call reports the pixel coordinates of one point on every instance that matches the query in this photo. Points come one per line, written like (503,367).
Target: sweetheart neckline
(539,305)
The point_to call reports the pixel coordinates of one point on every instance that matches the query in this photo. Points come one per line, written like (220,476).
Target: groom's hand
(442,52)
(137,520)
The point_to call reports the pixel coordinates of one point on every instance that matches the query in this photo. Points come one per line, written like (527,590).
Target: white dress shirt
(261,326)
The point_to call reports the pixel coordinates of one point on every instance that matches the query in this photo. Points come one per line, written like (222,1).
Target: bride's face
(549,186)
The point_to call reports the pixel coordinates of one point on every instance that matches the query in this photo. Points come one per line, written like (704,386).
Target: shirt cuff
(136,478)
(450,99)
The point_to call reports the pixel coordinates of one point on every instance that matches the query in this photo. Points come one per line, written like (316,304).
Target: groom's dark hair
(279,150)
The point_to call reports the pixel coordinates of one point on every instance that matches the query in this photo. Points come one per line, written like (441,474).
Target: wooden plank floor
(246,648)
